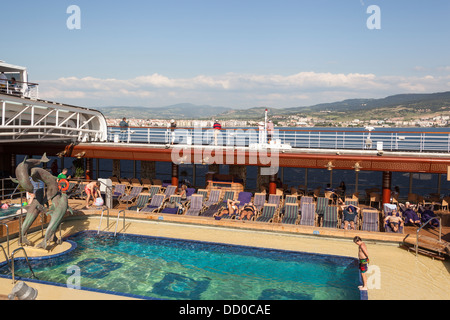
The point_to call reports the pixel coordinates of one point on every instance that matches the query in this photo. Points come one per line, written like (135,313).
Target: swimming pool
(166,268)
(9,212)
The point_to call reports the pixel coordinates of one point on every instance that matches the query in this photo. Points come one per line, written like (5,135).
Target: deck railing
(409,141)
(19,88)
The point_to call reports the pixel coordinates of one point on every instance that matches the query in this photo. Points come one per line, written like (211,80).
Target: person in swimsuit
(394,221)
(92,190)
(232,209)
(363,256)
(248,211)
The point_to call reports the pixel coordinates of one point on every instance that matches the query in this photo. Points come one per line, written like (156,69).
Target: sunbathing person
(350,213)
(394,221)
(410,216)
(248,211)
(232,209)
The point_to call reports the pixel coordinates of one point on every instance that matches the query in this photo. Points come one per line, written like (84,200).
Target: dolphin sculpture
(37,205)
(23,172)
(57,211)
(32,213)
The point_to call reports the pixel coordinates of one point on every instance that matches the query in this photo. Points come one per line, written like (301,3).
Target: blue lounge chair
(196,205)
(330,217)
(173,205)
(308,214)
(370,220)
(259,200)
(134,193)
(141,202)
(268,213)
(155,204)
(290,215)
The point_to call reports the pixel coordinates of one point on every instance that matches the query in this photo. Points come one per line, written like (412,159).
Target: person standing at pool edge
(363,256)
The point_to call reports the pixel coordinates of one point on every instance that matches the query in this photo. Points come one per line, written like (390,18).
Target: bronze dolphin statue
(57,211)
(23,172)
(37,205)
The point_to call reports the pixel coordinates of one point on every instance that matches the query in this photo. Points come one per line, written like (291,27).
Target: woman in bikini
(248,211)
(363,256)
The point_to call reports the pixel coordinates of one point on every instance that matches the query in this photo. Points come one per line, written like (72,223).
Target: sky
(237,54)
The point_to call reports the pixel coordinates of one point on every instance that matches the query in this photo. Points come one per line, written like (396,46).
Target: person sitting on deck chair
(232,209)
(395,221)
(350,213)
(410,216)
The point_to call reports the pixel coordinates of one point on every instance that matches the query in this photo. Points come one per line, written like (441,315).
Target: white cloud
(236,90)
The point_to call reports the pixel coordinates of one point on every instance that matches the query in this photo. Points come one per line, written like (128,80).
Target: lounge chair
(322,203)
(330,217)
(79,192)
(214,198)
(370,219)
(155,204)
(154,190)
(173,205)
(141,202)
(268,213)
(290,215)
(275,199)
(244,198)
(170,190)
(211,210)
(204,193)
(259,200)
(134,193)
(387,209)
(291,199)
(119,190)
(196,205)
(306,199)
(308,216)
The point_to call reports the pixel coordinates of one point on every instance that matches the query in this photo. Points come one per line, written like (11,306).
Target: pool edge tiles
(343,262)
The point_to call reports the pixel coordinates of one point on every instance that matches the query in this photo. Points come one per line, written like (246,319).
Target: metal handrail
(7,234)
(117,222)
(101,219)
(310,138)
(28,263)
(421,227)
(6,257)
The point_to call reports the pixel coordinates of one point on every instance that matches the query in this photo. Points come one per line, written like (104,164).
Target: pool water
(8,212)
(163,268)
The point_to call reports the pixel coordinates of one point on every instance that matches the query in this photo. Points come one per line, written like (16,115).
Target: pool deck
(384,248)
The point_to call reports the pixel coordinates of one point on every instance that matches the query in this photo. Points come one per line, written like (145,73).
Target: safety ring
(63,185)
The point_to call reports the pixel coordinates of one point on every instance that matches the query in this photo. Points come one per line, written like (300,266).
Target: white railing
(19,88)
(409,141)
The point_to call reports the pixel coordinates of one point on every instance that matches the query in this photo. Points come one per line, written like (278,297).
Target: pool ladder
(107,220)
(10,262)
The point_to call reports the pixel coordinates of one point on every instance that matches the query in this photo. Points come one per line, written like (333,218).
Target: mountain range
(401,105)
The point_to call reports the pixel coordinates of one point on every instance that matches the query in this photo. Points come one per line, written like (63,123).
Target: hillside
(402,105)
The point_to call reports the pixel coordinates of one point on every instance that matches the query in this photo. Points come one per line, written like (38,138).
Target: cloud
(237,90)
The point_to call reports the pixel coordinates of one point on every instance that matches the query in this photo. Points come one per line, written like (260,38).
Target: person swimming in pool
(363,256)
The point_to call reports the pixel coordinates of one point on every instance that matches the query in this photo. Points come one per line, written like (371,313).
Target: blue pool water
(162,268)
(8,212)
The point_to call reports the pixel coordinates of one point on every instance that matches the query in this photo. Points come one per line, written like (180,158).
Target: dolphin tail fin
(44,158)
